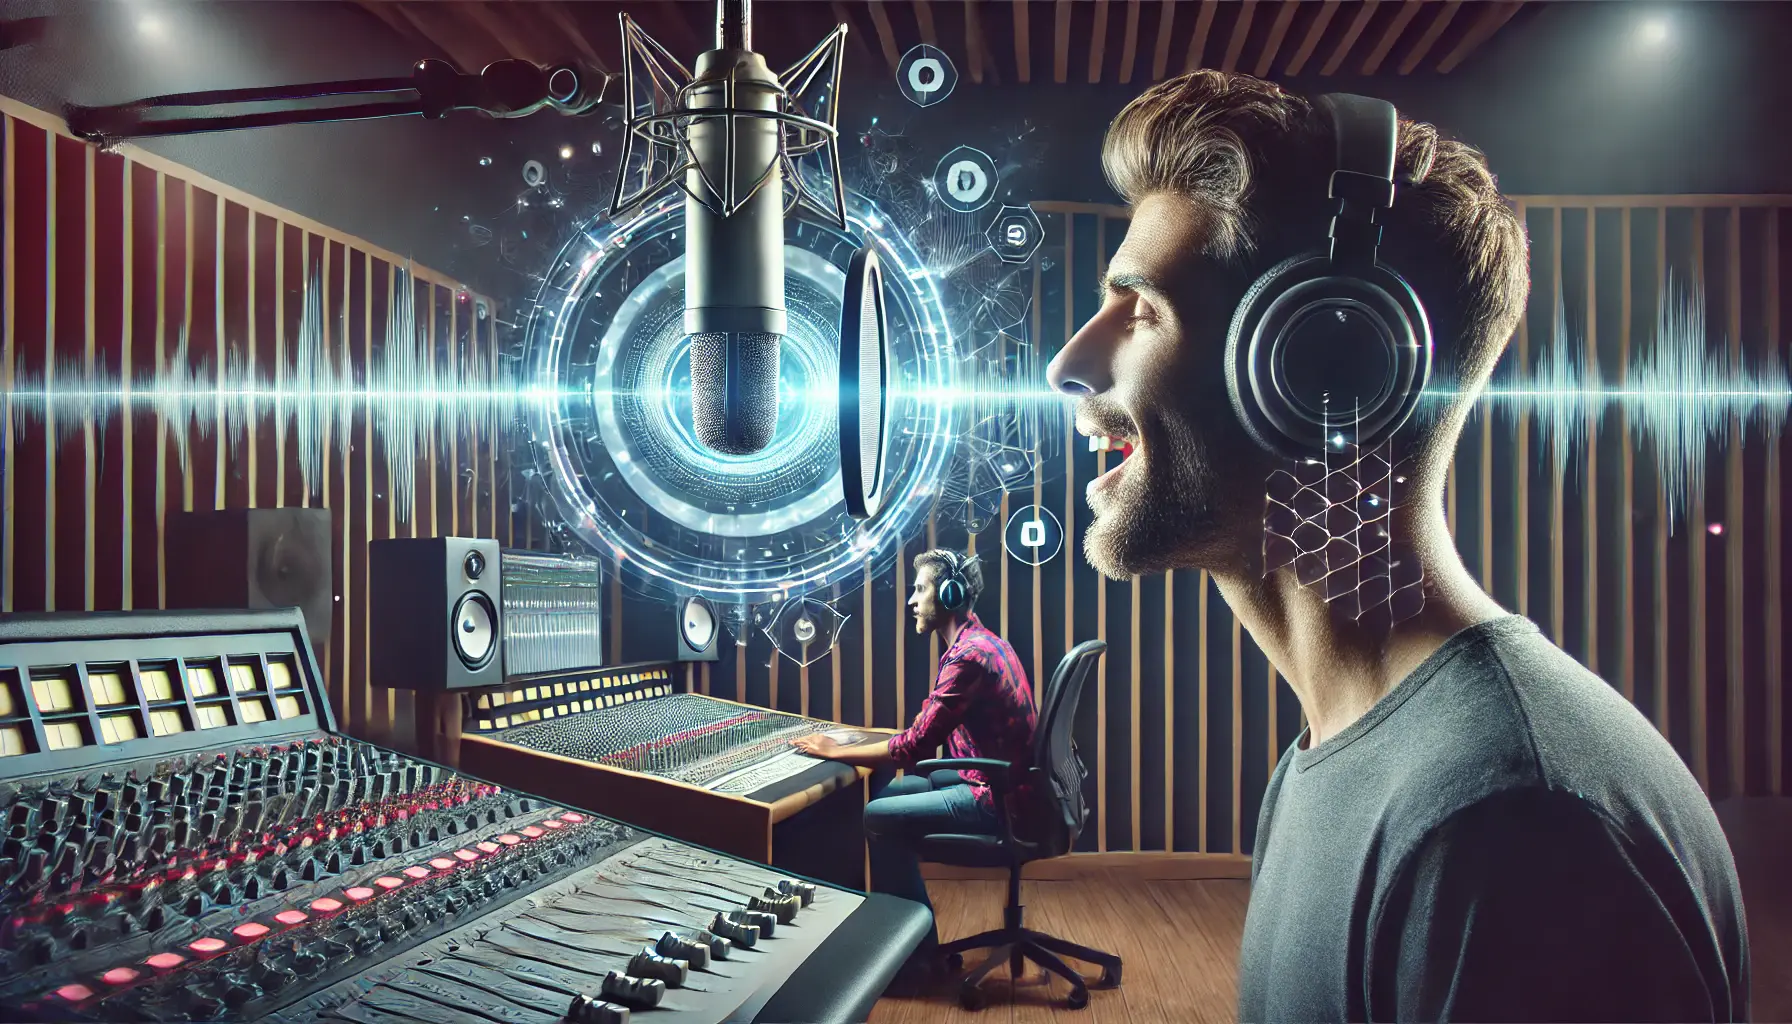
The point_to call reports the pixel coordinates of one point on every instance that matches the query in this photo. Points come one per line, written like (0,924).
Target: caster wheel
(971,998)
(1110,976)
(1078,998)
(955,962)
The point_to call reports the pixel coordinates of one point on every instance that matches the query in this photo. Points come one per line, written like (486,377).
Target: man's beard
(1164,512)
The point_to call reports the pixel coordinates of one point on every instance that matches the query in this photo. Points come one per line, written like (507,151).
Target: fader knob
(635,993)
(744,935)
(675,948)
(719,948)
(783,908)
(586,1010)
(648,964)
(766,923)
(803,891)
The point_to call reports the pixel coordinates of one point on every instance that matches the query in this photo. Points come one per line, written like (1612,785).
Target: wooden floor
(1179,941)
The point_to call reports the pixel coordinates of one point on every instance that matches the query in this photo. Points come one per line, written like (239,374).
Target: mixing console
(303,875)
(728,748)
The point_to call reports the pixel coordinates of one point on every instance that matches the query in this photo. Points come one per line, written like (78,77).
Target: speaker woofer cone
(475,630)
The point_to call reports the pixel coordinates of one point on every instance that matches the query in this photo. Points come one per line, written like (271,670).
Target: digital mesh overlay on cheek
(1329,518)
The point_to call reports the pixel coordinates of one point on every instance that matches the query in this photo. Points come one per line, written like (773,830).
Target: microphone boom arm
(506,88)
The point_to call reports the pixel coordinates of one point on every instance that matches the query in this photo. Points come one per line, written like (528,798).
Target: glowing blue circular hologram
(607,394)
(1033,535)
(926,75)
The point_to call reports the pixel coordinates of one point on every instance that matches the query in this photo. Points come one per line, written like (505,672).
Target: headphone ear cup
(1245,317)
(951,595)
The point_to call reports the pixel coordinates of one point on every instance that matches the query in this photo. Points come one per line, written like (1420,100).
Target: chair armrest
(996,770)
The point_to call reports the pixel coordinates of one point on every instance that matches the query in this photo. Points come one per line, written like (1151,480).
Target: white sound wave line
(313,402)
(1682,395)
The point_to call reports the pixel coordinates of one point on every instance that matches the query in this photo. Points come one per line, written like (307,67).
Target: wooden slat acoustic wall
(1187,717)
(108,258)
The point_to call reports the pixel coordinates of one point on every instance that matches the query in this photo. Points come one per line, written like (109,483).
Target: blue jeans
(904,810)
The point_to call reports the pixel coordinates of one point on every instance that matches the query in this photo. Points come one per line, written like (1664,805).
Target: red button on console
(166,961)
(291,917)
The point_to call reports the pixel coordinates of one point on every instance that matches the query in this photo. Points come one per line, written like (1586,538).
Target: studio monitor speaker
(699,627)
(432,606)
(253,558)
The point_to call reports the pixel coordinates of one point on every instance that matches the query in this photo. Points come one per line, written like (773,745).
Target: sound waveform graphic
(1683,395)
(311,403)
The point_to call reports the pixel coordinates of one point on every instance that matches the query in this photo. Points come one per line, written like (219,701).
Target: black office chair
(1056,818)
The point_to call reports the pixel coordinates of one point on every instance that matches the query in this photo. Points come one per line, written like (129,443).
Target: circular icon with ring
(1015,234)
(1033,535)
(926,75)
(965,179)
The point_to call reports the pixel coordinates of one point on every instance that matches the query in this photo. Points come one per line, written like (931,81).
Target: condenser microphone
(734,239)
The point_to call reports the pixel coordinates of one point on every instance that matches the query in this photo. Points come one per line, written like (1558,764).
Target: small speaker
(253,558)
(699,628)
(432,607)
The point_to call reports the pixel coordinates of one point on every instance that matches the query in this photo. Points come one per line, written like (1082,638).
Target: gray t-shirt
(1503,837)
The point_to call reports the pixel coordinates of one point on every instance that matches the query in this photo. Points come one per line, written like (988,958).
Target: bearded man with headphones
(981,705)
(1309,299)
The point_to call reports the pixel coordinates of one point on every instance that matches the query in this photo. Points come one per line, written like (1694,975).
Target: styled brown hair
(970,569)
(1256,162)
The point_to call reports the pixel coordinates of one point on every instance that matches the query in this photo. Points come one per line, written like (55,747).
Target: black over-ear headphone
(1333,346)
(952,591)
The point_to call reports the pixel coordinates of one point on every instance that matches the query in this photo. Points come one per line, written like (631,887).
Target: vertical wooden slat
(1484,497)
(1735,527)
(1663,671)
(1170,711)
(49,349)
(1342,50)
(1061,39)
(1160,58)
(1022,35)
(220,347)
(364,696)
(1098,43)
(1521,491)
(161,365)
(9,188)
(1101,695)
(1771,527)
(279,362)
(1627,453)
(1557,554)
(772,677)
(1237,731)
(344,512)
(1136,710)
(973,41)
(91,511)
(1201,654)
(435,519)
(866,709)
(126,424)
(1590,535)
(253,412)
(1129,51)
(1695,540)
(454,455)
(1315,32)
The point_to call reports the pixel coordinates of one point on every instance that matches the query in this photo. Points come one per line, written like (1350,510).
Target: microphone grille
(734,390)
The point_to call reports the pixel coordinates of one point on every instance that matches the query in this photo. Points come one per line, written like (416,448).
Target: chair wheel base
(1078,998)
(955,961)
(971,997)
(1110,977)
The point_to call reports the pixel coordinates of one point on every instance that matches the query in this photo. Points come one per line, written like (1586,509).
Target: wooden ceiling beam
(1130,51)
(564,21)
(1423,47)
(1022,42)
(1241,30)
(1061,32)
(1098,42)
(1197,43)
(1277,32)
(505,31)
(1342,50)
(1315,32)
(1402,18)
(1493,17)
(973,40)
(1166,24)
(924,21)
(885,37)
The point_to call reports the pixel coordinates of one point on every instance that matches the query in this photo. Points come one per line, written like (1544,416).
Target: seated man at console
(981,706)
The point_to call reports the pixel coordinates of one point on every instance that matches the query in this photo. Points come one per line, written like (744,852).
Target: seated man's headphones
(951,590)
(1332,346)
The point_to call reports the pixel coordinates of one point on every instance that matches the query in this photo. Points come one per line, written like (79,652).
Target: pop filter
(864,385)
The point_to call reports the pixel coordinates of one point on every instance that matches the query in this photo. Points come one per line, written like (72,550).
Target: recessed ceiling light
(1654,31)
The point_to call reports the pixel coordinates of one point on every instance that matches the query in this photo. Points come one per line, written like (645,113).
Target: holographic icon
(1033,535)
(965,179)
(803,629)
(926,75)
(1016,233)
(534,174)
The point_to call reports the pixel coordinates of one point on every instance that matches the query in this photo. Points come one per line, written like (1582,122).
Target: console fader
(186,838)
